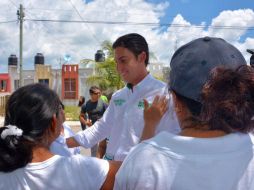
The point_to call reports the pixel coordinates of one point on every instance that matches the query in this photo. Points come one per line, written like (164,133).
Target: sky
(166,24)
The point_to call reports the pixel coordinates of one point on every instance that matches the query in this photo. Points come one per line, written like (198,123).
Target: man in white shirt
(123,120)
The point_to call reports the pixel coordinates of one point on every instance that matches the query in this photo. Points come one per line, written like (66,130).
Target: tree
(105,76)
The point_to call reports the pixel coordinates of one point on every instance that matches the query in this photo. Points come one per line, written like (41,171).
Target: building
(69,82)
(5,85)
(155,68)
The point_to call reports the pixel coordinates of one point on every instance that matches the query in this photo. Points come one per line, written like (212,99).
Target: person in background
(122,123)
(59,146)
(33,120)
(81,101)
(213,94)
(92,111)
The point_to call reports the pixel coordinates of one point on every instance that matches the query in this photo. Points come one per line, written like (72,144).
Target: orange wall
(6,78)
(70,72)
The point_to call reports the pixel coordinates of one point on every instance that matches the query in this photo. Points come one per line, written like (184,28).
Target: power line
(14,4)
(43,9)
(93,35)
(4,22)
(146,24)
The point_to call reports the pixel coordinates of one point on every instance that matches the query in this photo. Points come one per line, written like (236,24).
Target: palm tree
(105,76)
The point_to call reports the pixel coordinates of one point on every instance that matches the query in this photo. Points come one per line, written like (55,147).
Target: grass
(72,113)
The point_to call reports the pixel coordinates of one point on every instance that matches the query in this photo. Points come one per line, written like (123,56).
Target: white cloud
(55,40)
(238,19)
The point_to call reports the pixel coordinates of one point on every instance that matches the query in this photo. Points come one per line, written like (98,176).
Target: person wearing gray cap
(213,95)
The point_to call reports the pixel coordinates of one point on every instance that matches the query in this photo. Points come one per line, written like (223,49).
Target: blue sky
(81,40)
(198,11)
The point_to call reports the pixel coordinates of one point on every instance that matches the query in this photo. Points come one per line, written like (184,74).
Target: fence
(3,100)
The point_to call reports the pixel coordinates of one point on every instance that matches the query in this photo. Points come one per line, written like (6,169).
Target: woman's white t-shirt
(63,173)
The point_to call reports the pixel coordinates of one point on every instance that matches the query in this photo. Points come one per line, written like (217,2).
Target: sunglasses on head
(95,93)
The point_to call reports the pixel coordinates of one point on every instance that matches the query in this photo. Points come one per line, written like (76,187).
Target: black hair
(31,109)
(228,99)
(135,43)
(81,101)
(93,89)
(193,106)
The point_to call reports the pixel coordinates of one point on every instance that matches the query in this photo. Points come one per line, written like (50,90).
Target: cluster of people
(193,133)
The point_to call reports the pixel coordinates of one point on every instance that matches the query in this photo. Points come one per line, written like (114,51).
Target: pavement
(75,126)
(1,121)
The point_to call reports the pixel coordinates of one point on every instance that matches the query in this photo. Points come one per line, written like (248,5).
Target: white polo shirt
(123,120)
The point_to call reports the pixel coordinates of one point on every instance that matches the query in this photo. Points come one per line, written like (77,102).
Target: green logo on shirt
(141,104)
(119,102)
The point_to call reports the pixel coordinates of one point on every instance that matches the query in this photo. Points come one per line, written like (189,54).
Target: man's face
(128,66)
(95,95)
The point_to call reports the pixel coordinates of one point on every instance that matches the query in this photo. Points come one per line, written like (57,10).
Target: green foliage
(159,78)
(106,76)
(72,113)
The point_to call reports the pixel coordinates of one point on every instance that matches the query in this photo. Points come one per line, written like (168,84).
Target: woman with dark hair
(33,120)
(214,149)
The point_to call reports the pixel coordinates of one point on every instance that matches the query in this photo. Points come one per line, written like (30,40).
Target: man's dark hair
(93,89)
(135,43)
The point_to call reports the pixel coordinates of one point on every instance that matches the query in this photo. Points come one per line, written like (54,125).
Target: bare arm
(71,142)
(82,118)
(110,179)
(153,115)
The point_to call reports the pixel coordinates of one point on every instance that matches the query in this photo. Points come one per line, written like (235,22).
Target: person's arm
(82,118)
(71,142)
(110,179)
(153,115)
(101,149)
(94,134)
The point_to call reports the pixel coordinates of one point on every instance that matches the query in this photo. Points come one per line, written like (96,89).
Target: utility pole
(176,44)
(21,16)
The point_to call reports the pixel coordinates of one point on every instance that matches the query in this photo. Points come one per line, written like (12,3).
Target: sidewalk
(1,121)
(73,123)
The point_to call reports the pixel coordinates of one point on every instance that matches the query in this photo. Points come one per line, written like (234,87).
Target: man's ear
(142,57)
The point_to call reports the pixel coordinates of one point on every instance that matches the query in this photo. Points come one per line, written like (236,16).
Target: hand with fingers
(153,114)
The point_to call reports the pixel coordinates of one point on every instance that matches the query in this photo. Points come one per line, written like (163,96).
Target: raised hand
(153,114)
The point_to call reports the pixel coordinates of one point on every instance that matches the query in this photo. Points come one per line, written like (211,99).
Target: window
(44,81)
(70,88)
(3,85)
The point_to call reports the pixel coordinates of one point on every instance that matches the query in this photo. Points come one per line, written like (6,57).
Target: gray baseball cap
(192,63)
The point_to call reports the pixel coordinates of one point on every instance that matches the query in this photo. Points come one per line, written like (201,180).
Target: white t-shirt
(169,161)
(59,145)
(123,121)
(63,173)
